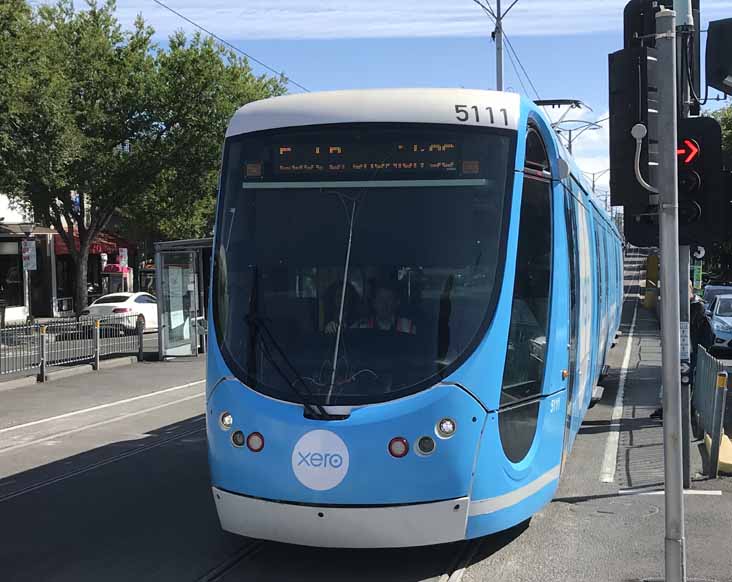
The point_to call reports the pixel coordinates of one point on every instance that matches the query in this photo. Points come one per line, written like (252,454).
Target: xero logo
(325,460)
(320,460)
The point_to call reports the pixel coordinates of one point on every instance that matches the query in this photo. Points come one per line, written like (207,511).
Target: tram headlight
(226,420)
(446,428)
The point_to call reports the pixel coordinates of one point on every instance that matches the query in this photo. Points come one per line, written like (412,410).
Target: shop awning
(104,242)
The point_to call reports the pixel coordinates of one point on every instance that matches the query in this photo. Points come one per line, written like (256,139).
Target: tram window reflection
(528,332)
(359,291)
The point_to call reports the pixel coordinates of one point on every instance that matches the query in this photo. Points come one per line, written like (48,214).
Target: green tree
(720,256)
(206,84)
(107,123)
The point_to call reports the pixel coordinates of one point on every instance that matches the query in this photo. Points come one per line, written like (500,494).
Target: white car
(144,305)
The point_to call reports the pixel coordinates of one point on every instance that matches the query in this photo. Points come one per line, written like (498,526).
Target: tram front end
(359,322)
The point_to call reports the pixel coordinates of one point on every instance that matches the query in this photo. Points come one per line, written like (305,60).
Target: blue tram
(413,297)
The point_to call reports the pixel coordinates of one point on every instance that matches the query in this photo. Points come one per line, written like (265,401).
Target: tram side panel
(519,461)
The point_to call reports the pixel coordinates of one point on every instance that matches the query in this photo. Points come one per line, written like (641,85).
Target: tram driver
(385,312)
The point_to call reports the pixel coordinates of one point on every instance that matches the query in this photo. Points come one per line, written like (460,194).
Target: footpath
(607,520)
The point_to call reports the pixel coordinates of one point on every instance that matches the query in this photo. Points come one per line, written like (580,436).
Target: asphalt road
(104,477)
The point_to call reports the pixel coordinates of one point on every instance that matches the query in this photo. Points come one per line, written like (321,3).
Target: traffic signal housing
(704,206)
(633,99)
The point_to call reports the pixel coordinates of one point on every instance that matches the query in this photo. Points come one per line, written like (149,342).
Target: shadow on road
(141,509)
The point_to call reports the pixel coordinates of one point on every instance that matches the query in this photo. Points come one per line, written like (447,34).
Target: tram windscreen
(359,263)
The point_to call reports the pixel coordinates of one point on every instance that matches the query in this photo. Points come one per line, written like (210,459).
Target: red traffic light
(690,150)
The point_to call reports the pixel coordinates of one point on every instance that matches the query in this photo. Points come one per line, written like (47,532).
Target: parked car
(142,305)
(711,291)
(719,314)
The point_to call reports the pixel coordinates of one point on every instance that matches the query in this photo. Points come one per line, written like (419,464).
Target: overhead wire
(488,9)
(526,74)
(518,75)
(231,46)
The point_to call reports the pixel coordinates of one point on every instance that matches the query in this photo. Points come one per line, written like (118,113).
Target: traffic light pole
(684,27)
(675,553)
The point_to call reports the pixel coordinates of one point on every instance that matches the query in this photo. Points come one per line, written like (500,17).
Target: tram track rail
(461,562)
(108,461)
(247,551)
(454,573)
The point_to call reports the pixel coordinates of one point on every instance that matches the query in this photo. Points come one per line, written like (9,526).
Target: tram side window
(527,341)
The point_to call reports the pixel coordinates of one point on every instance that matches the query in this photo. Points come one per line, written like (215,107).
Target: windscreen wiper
(307,399)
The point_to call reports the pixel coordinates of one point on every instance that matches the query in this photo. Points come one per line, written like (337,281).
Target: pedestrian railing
(709,400)
(68,341)
(20,348)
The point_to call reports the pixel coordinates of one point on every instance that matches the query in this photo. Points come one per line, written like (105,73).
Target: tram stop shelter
(182,270)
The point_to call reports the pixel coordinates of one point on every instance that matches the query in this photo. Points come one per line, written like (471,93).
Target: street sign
(122,257)
(698,275)
(28,250)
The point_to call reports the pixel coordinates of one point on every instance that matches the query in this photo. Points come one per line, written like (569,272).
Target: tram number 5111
(466,112)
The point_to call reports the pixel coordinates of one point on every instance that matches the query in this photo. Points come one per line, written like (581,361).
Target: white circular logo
(320,460)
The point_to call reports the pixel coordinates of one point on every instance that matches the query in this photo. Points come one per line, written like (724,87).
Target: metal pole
(685,355)
(97,346)
(720,399)
(675,554)
(569,142)
(163,303)
(499,47)
(27,293)
(44,351)
(140,343)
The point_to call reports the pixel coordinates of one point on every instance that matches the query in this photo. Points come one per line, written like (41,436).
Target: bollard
(97,346)
(140,333)
(720,398)
(42,371)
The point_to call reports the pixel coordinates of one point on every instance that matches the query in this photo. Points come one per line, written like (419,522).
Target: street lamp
(575,125)
(28,264)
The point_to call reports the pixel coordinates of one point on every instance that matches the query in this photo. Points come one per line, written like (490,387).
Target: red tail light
(255,442)
(398,447)
(121,310)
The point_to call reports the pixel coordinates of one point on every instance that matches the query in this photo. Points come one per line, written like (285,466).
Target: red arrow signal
(690,150)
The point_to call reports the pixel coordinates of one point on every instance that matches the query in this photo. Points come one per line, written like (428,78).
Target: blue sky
(344,44)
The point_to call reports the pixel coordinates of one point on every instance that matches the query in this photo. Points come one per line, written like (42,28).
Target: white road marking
(716,492)
(100,407)
(607,473)
(98,424)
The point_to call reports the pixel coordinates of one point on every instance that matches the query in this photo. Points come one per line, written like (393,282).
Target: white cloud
(590,147)
(299,19)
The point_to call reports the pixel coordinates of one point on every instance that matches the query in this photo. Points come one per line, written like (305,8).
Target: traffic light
(633,99)
(703,203)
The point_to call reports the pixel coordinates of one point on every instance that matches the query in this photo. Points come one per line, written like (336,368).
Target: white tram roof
(377,105)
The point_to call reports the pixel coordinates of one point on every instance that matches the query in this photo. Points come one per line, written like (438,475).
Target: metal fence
(68,341)
(709,400)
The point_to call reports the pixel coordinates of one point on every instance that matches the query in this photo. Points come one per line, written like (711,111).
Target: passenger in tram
(385,312)
(332,301)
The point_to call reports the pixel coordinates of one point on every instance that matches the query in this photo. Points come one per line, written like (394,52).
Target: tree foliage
(720,256)
(98,121)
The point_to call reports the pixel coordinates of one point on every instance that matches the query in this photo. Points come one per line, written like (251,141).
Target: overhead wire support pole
(498,33)
(675,552)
